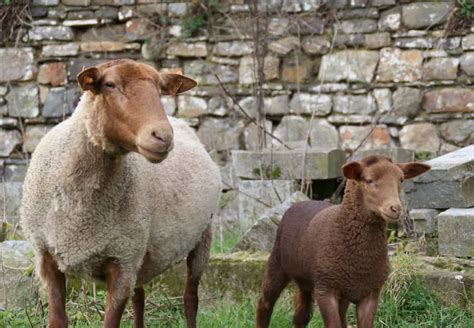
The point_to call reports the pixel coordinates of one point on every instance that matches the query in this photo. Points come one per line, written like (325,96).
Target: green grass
(227,244)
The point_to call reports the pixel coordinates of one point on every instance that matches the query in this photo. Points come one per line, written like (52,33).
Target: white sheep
(96,205)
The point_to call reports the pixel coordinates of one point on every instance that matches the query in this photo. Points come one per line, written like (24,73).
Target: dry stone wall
(350,64)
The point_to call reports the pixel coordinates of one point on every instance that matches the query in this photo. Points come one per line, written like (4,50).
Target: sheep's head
(380,181)
(132,117)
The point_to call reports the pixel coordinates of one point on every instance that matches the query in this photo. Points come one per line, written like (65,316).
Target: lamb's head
(126,97)
(380,181)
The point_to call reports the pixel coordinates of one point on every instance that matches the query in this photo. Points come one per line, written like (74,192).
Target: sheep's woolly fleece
(83,205)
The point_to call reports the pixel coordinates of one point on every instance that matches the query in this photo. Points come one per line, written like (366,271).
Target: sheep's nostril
(396,209)
(157,136)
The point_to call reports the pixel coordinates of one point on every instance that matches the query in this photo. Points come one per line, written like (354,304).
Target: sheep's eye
(110,85)
(369,181)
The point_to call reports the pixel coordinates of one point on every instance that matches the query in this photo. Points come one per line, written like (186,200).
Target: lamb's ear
(412,169)
(174,84)
(352,170)
(88,77)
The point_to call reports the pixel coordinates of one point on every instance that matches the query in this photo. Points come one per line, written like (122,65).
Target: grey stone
(17,64)
(228,216)
(251,136)
(352,119)
(323,135)
(353,136)
(219,106)
(398,155)
(390,19)
(291,129)
(441,69)
(256,196)
(23,101)
(316,45)
(271,68)
(449,100)
(377,40)
(118,32)
(425,221)
(61,33)
(306,24)
(382,3)
(455,227)
(11,200)
(278,105)
(106,13)
(425,14)
(17,287)
(278,26)
(76,2)
(359,26)
(45,2)
(234,48)
(350,104)
(204,72)
(468,42)
(421,137)
(190,106)
(399,66)
(320,163)
(3,90)
(284,46)
(413,43)
(261,236)
(349,65)
(407,101)
(33,135)
(220,134)
(306,103)
(8,122)
(459,132)
(169,105)
(14,173)
(298,69)
(9,139)
(82,14)
(125,13)
(185,49)
(383,98)
(449,183)
(77,64)
(467,63)
(247,70)
(60,50)
(349,41)
(56,104)
(177,9)
(358,13)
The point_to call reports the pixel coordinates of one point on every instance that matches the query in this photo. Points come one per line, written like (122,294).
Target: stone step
(449,183)
(425,220)
(456,232)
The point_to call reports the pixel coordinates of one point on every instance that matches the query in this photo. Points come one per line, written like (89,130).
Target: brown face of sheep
(128,94)
(380,181)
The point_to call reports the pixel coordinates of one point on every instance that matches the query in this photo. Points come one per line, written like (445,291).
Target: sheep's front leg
(118,290)
(328,304)
(138,301)
(55,282)
(366,310)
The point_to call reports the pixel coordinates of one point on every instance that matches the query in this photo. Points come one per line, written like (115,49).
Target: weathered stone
(56,104)
(14,172)
(467,63)
(383,98)
(138,29)
(420,136)
(468,42)
(204,72)
(284,46)
(106,13)
(441,69)
(297,69)
(177,9)
(316,45)
(251,139)
(262,234)
(38,12)
(228,215)
(459,132)
(278,25)
(399,66)
(306,103)
(449,100)
(390,19)
(61,33)
(117,32)
(449,183)
(23,101)
(425,14)
(350,104)
(17,64)
(320,163)
(33,135)
(323,135)
(348,41)
(413,43)
(17,286)
(306,24)
(359,26)
(352,136)
(76,2)
(190,106)
(182,49)
(8,123)
(234,48)
(398,155)
(455,227)
(220,134)
(271,68)
(407,101)
(349,65)
(102,46)
(291,129)
(271,105)
(425,221)
(351,119)
(377,40)
(125,13)
(358,13)
(45,2)
(3,90)
(359,3)
(219,106)
(169,105)
(52,73)
(382,3)
(9,139)
(247,71)
(76,65)
(60,50)
(81,22)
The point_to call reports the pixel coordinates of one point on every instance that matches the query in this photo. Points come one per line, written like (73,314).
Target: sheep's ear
(352,170)
(174,84)
(88,78)
(411,170)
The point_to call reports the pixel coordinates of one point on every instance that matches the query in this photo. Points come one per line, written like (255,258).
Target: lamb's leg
(329,307)
(304,305)
(138,301)
(55,282)
(117,294)
(274,282)
(343,305)
(196,264)
(366,310)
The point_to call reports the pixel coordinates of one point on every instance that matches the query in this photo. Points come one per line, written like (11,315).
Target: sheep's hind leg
(138,301)
(366,310)
(118,289)
(196,263)
(304,305)
(55,282)
(329,307)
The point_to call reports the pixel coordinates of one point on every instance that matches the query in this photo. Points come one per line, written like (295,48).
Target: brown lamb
(338,254)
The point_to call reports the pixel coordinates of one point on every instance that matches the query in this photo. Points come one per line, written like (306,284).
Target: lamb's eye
(369,181)
(110,85)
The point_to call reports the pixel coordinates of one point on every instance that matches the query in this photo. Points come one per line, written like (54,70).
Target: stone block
(349,65)
(468,42)
(377,40)
(219,106)
(455,230)
(323,134)
(33,135)
(390,19)
(449,183)
(22,101)
(320,164)
(459,132)
(247,70)
(220,134)
(316,45)
(11,200)
(284,46)
(398,155)
(17,64)
(441,69)
(358,25)
(14,172)
(425,14)
(467,63)
(383,99)
(169,105)
(271,68)
(449,100)
(228,216)
(56,104)
(53,74)
(204,72)
(298,69)
(190,106)
(407,102)
(425,221)
(233,49)
(9,139)
(60,50)
(292,129)
(251,140)
(352,136)
(60,33)
(413,43)
(399,66)
(278,25)
(182,49)
(420,137)
(354,104)
(102,46)
(306,103)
